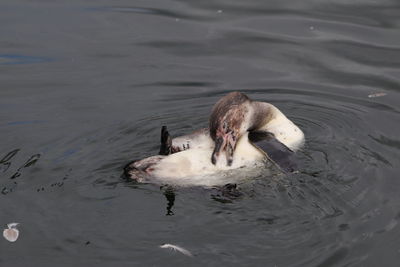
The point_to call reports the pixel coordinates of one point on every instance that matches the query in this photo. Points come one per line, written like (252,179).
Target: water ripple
(129,68)
(168,13)
(21,59)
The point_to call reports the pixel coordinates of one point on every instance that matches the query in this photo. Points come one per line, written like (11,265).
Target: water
(86,85)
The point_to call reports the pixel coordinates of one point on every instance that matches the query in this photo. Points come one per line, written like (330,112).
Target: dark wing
(278,152)
(166,142)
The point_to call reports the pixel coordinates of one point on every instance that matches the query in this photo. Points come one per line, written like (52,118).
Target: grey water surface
(85,87)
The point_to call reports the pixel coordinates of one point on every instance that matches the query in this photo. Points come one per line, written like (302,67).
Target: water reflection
(170,196)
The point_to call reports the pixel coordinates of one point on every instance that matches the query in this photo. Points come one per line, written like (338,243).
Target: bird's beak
(230,148)
(227,143)
(219,145)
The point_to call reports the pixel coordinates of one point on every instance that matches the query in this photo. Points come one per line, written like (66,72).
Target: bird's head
(227,124)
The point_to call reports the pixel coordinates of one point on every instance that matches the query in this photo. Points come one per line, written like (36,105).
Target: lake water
(85,87)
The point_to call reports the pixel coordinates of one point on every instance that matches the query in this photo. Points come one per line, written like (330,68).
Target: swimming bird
(241,138)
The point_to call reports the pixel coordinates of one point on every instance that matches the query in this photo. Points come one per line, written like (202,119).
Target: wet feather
(377,95)
(11,234)
(177,248)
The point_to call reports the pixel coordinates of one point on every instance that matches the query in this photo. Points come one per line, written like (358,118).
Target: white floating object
(377,95)
(12,233)
(312,28)
(177,248)
(219,11)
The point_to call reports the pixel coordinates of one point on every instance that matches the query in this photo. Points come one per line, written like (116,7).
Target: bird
(242,133)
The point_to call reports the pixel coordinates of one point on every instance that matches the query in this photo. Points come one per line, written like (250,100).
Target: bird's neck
(266,117)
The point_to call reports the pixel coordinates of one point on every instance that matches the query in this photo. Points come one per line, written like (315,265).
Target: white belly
(194,166)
